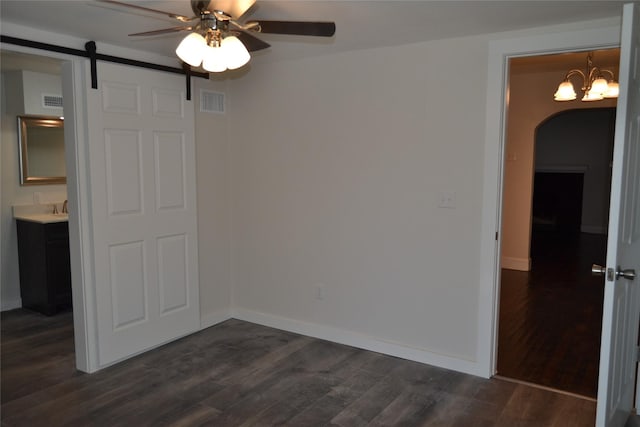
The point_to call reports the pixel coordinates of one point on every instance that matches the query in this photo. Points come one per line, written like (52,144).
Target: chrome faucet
(65,208)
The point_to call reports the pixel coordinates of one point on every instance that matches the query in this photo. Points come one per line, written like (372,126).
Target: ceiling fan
(217,41)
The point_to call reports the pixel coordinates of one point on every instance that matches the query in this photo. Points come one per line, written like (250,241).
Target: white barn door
(143,210)
(618,354)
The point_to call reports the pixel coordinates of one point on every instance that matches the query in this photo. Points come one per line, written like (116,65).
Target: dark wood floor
(551,317)
(242,374)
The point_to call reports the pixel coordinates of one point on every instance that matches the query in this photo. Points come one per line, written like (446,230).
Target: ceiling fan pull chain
(90,46)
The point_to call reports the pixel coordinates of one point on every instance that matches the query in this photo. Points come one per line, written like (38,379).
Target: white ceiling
(360,24)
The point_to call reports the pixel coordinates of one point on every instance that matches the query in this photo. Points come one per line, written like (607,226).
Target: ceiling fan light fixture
(191,49)
(235,52)
(218,42)
(214,54)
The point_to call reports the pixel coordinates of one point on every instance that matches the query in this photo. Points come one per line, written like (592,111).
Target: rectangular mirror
(41,140)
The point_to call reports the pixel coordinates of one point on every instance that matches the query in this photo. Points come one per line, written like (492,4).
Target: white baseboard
(593,229)
(520,264)
(211,319)
(357,340)
(10,304)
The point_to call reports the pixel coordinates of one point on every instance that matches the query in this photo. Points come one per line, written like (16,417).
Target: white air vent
(51,101)
(211,102)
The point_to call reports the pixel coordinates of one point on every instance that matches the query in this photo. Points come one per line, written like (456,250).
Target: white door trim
(500,51)
(79,196)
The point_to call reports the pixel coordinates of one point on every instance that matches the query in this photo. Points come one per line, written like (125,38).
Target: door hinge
(496,236)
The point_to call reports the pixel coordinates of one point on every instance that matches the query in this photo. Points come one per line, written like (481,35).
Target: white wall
(337,165)
(214,208)
(37,85)
(14,194)
(26,89)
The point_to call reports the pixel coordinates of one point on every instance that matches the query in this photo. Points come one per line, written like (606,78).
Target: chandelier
(595,86)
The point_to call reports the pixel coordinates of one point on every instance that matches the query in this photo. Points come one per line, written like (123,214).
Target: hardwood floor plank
(371,403)
(190,416)
(535,407)
(80,387)
(323,409)
(575,413)
(303,378)
(291,398)
(319,413)
(481,412)
(483,390)
(407,409)
(263,365)
(354,386)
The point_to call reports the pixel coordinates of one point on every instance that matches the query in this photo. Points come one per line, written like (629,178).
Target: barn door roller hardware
(91,53)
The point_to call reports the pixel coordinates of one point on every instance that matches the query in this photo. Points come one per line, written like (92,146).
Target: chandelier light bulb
(592,96)
(191,49)
(613,90)
(565,92)
(599,85)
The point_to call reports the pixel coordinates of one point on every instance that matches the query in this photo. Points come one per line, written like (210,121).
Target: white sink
(41,213)
(43,218)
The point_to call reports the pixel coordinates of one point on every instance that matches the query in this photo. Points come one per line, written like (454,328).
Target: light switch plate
(447,200)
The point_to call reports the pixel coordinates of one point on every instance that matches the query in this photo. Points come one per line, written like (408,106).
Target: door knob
(627,273)
(599,270)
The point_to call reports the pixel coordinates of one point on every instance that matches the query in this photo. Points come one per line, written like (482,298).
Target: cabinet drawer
(57,231)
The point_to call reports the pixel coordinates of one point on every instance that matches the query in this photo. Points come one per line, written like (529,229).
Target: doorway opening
(44,331)
(556,214)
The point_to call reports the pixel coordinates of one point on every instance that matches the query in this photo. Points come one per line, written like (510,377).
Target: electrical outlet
(447,199)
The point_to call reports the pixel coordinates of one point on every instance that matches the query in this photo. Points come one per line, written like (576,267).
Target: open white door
(618,353)
(143,210)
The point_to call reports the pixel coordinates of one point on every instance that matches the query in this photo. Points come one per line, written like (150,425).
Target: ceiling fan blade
(252,43)
(180,18)
(162,31)
(321,29)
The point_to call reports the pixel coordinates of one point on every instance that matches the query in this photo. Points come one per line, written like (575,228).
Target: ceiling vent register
(52,101)
(211,102)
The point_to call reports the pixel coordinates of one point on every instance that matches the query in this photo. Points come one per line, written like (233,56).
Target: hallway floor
(551,316)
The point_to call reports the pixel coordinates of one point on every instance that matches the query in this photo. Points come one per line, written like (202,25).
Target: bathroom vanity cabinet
(45,270)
